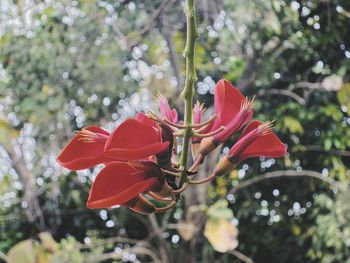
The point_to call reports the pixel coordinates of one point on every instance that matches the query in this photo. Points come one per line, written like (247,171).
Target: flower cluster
(139,156)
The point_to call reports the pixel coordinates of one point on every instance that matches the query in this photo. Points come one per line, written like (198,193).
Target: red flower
(233,112)
(121,183)
(85,149)
(136,139)
(167,113)
(232,108)
(256,140)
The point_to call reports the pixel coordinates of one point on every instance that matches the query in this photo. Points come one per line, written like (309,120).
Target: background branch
(286,173)
(33,210)
(319,148)
(241,256)
(282,92)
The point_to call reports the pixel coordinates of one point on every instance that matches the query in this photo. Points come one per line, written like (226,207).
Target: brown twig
(319,148)
(151,22)
(284,173)
(282,92)
(33,210)
(241,256)
(159,234)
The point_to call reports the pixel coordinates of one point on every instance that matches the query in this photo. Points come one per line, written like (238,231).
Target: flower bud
(256,140)
(235,124)
(224,166)
(206,146)
(195,149)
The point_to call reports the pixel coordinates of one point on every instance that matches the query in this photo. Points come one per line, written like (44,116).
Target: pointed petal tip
(227,100)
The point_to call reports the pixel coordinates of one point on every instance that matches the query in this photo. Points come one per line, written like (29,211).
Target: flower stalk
(188,91)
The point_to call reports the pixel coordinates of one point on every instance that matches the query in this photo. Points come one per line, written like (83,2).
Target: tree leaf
(23,252)
(186,230)
(344,96)
(222,234)
(219,210)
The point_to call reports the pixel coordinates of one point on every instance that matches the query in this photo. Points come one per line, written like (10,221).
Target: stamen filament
(209,134)
(200,125)
(179,126)
(86,136)
(198,161)
(265,128)
(206,123)
(202,181)
(247,104)
(150,114)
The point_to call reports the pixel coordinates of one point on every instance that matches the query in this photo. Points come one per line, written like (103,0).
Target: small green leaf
(292,125)
(344,96)
(54,103)
(219,210)
(23,252)
(222,234)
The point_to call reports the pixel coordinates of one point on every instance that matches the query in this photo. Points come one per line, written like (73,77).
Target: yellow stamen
(150,114)
(134,164)
(265,127)
(200,106)
(86,136)
(247,104)
(159,97)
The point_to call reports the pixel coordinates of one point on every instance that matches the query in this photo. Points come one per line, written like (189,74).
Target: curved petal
(117,184)
(141,117)
(214,125)
(227,100)
(137,153)
(234,125)
(174,115)
(251,126)
(134,139)
(97,129)
(268,145)
(78,155)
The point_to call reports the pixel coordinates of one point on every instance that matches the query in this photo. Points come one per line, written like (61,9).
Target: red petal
(97,129)
(174,115)
(134,140)
(78,155)
(268,145)
(117,184)
(227,100)
(137,153)
(141,117)
(251,126)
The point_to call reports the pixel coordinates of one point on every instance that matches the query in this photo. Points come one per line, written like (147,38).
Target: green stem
(191,78)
